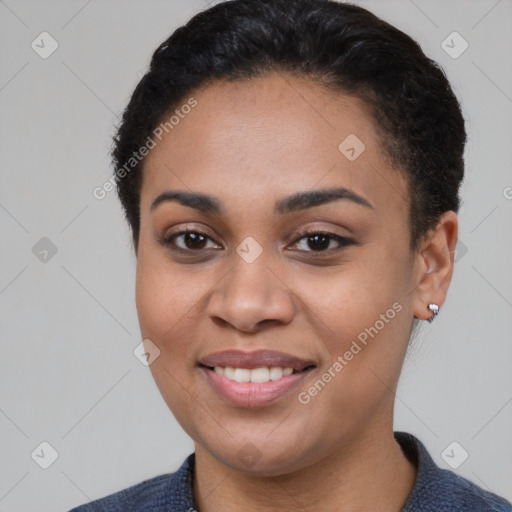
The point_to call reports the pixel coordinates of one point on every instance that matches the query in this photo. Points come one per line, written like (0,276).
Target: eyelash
(341,240)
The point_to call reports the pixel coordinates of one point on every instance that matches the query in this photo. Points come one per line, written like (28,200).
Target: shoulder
(143,496)
(454,492)
(171,492)
(441,489)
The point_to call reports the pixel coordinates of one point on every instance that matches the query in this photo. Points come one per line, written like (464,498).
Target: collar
(432,486)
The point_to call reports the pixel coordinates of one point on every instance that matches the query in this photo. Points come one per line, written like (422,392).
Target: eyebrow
(296,202)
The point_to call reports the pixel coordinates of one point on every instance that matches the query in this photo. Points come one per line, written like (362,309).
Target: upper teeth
(263,374)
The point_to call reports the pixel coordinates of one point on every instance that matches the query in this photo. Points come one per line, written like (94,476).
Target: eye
(321,241)
(315,242)
(189,241)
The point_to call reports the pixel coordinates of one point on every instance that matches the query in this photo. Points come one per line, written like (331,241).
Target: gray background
(69,325)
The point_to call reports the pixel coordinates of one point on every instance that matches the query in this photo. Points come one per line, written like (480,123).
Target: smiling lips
(249,379)
(262,374)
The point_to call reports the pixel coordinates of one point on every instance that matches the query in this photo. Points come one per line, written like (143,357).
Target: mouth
(259,375)
(257,366)
(251,379)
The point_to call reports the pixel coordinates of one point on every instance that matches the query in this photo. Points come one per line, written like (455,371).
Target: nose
(251,296)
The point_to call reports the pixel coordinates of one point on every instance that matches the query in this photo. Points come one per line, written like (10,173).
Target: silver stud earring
(434,308)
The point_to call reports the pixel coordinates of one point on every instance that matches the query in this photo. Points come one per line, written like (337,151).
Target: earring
(434,308)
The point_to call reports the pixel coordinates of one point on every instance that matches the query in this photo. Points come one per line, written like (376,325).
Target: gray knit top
(434,490)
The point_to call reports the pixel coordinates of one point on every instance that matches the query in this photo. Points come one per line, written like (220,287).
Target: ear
(434,265)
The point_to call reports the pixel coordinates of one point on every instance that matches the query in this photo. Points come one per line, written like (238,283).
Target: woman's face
(244,275)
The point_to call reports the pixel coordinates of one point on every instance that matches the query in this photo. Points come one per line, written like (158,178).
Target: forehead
(269,137)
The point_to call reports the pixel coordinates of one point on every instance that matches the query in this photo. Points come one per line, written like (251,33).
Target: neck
(371,470)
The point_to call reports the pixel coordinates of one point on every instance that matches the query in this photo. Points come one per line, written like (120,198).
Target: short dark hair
(341,46)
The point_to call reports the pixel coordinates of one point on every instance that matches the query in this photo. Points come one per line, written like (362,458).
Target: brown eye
(317,242)
(189,241)
(194,240)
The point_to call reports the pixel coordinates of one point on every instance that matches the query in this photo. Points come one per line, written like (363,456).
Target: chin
(254,455)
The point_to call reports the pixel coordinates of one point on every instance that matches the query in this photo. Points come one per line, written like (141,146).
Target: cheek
(162,296)
(163,301)
(151,299)
(361,319)
(365,354)
(171,303)
(163,305)
(352,298)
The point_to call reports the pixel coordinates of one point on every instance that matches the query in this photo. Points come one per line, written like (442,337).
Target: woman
(290,171)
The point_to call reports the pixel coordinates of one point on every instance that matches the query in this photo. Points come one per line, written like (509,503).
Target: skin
(249,144)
